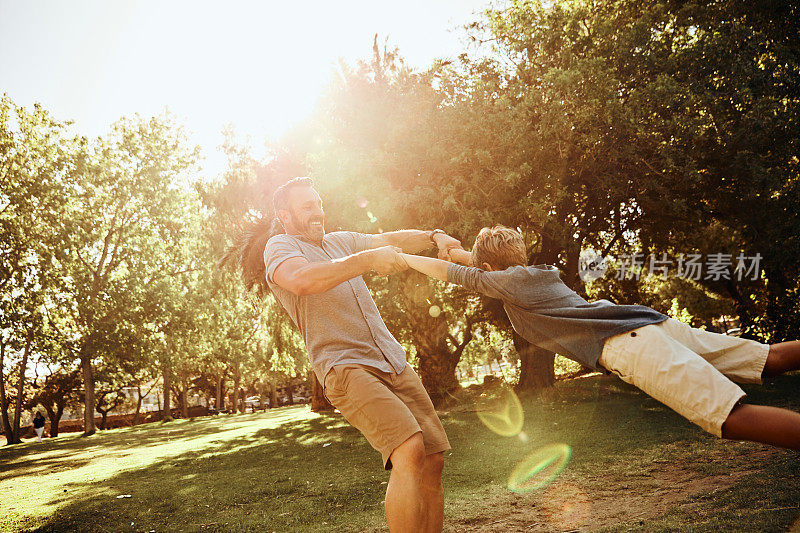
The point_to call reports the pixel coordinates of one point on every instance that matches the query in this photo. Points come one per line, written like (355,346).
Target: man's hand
(385,260)
(445,243)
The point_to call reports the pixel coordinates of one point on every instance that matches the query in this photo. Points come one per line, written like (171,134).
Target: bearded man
(317,278)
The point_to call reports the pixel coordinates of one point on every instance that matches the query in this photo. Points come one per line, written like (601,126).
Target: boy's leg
(652,360)
(741,360)
(765,424)
(783,357)
(658,361)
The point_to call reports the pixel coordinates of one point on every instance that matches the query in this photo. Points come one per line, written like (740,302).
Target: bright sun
(257,65)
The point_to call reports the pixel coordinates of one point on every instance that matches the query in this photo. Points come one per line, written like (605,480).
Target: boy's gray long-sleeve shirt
(547,313)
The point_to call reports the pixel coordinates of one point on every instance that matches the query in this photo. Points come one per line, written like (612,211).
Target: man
(317,278)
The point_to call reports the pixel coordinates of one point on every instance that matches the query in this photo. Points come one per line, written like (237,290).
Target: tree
(125,214)
(37,157)
(381,138)
(109,391)
(59,389)
(260,334)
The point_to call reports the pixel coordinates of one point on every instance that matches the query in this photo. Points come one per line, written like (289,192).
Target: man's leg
(783,357)
(408,387)
(765,424)
(404,493)
(432,493)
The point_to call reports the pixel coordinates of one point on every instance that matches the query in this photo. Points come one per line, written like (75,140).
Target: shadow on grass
(274,479)
(69,451)
(602,419)
(320,475)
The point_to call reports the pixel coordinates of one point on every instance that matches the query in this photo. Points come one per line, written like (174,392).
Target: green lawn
(634,466)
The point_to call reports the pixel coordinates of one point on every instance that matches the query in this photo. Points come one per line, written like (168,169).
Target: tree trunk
(88,387)
(3,398)
(55,418)
(219,405)
(571,276)
(437,370)
(536,365)
(437,360)
(51,416)
(138,404)
(167,407)
(273,395)
(318,400)
(15,436)
(261,393)
(184,396)
(290,393)
(103,414)
(236,380)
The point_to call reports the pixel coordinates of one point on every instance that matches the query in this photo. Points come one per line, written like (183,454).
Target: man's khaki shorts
(387,408)
(689,370)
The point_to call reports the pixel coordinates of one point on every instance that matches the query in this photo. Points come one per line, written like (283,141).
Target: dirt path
(623,494)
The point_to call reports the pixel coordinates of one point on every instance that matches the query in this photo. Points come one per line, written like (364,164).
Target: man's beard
(309,230)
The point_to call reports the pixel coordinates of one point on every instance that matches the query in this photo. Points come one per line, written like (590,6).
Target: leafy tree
(255,332)
(381,155)
(109,390)
(126,214)
(37,157)
(58,390)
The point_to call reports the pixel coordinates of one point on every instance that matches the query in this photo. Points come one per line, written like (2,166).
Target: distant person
(690,370)
(38,426)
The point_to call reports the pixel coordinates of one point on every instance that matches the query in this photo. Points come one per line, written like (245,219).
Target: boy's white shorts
(692,371)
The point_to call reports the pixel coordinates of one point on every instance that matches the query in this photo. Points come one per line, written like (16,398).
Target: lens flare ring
(539,468)
(501,411)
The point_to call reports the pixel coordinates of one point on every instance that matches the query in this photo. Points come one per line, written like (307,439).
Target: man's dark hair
(280,198)
(248,248)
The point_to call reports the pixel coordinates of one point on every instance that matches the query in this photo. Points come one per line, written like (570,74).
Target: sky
(259,66)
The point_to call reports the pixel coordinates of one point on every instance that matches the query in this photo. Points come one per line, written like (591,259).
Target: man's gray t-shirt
(547,313)
(341,325)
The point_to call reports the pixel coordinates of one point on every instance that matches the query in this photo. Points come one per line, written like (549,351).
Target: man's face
(306,216)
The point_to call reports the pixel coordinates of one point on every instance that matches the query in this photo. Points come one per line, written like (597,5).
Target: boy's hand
(386,260)
(460,256)
(445,243)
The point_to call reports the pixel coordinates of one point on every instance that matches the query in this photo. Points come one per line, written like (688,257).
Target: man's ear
(487,267)
(283,216)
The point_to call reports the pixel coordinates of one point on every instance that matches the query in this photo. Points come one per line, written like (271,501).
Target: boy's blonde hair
(499,246)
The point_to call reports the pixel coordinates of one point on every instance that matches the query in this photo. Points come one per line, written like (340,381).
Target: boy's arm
(460,256)
(435,268)
(487,283)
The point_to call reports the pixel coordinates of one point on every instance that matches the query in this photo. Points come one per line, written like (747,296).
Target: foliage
(614,125)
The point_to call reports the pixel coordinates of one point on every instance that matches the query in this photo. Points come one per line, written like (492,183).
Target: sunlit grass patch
(292,470)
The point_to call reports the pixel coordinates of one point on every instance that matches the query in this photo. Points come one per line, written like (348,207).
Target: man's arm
(412,241)
(299,276)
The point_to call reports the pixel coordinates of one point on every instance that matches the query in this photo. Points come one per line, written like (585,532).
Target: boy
(689,370)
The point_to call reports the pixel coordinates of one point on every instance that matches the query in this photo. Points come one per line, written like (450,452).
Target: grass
(635,466)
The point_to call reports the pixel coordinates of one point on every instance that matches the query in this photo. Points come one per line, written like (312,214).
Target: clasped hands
(387,260)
